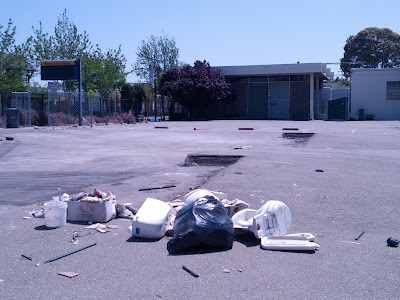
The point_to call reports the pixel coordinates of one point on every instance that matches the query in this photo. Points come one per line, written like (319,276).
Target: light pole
(155,88)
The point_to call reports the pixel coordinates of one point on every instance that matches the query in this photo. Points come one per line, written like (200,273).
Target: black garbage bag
(204,223)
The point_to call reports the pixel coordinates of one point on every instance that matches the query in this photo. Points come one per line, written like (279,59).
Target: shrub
(57,119)
(3,121)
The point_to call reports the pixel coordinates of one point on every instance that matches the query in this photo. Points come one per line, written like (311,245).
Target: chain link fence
(62,108)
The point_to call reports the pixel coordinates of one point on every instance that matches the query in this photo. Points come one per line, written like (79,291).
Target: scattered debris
(392,242)
(112,226)
(177,204)
(9,138)
(101,230)
(360,235)
(246,128)
(190,272)
(157,188)
(161,127)
(246,147)
(69,253)
(290,129)
(124,212)
(26,218)
(27,257)
(68,274)
(319,170)
(240,270)
(131,208)
(196,128)
(226,271)
(93,226)
(351,242)
(234,206)
(37,214)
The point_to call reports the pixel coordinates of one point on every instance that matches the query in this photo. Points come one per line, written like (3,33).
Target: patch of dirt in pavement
(210,160)
(298,137)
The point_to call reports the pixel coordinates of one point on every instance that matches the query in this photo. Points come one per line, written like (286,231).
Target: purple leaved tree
(195,88)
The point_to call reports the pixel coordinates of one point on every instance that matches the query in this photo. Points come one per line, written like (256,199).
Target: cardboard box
(91,212)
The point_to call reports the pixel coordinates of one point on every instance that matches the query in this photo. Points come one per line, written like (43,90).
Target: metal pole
(48,107)
(80,93)
(91,110)
(155,89)
(29,110)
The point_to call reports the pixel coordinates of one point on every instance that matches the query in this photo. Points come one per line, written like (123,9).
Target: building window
(235,79)
(278,78)
(393,90)
(258,79)
(299,77)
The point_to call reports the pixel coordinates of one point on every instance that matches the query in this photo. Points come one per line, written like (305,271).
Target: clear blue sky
(221,32)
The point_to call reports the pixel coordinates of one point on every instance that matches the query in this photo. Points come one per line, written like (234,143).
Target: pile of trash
(204,219)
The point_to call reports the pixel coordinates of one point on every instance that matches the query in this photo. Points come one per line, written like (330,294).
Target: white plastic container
(152,220)
(288,244)
(193,196)
(55,214)
(273,218)
(244,218)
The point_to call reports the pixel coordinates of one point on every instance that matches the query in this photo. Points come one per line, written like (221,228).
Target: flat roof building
(282,91)
(375,94)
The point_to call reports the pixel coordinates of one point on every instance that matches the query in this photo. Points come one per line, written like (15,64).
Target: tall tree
(109,68)
(66,43)
(161,51)
(12,60)
(195,87)
(371,48)
(133,95)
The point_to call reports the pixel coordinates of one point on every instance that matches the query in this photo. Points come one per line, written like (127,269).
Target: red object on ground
(96,192)
(246,128)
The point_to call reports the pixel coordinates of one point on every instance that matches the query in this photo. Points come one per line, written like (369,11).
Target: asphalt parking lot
(357,191)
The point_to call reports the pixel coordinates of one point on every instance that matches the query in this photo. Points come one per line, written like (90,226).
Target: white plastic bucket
(55,214)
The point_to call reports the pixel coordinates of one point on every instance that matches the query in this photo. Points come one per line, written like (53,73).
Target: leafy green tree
(161,51)
(371,48)
(109,70)
(195,87)
(66,43)
(13,63)
(136,94)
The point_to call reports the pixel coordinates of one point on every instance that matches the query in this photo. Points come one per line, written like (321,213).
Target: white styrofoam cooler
(152,220)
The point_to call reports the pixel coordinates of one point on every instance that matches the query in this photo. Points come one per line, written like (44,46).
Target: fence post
(29,110)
